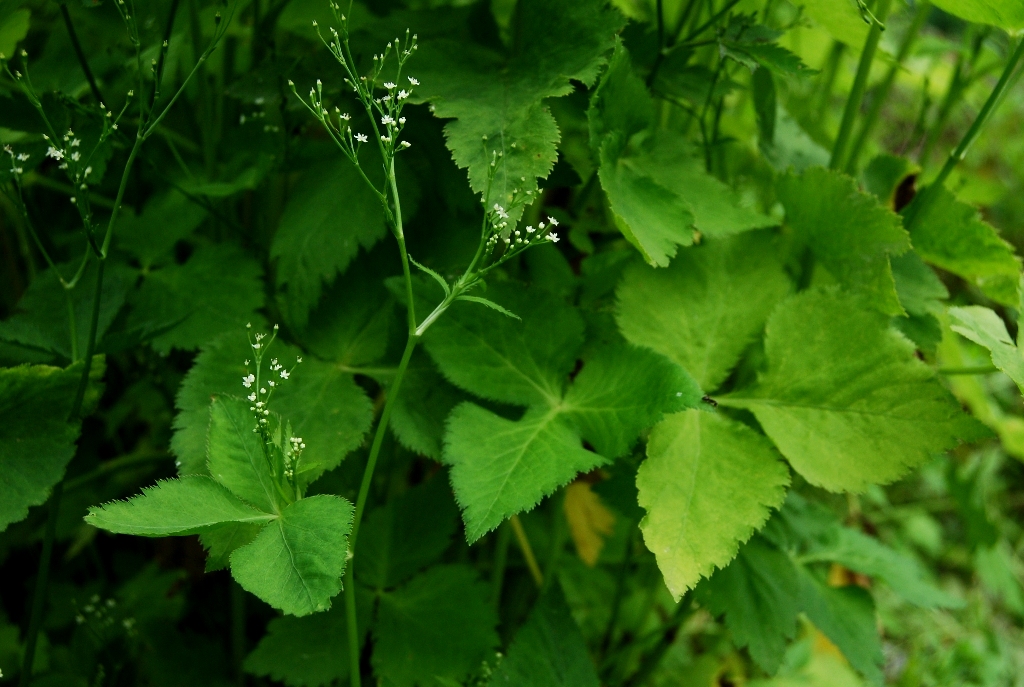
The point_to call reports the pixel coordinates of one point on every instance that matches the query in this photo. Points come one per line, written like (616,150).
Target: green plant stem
(860,82)
(500,561)
(620,588)
(524,546)
(927,196)
(881,93)
(963,74)
(80,54)
(364,492)
(650,662)
(42,581)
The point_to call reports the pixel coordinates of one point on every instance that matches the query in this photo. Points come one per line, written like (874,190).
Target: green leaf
(657,189)
(548,650)
(419,412)
(623,390)
(707,307)
(311,651)
(324,405)
(218,290)
(844,397)
(847,616)
(235,455)
(221,541)
(498,105)
(36,440)
(166,219)
(857,551)
(506,360)
(404,536)
(435,276)
(41,318)
(771,56)
(13,28)
(331,214)
(921,294)
(708,483)
(848,230)
(1006,14)
(187,505)
(422,632)
(985,328)
(490,304)
(296,562)
(841,19)
(759,594)
(951,235)
(502,467)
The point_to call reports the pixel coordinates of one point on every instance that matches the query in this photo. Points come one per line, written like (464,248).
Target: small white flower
(23,156)
(553,237)
(298,359)
(271,383)
(413,81)
(263,391)
(387,119)
(390,86)
(88,171)
(361,138)
(54,153)
(406,144)
(75,143)
(345,116)
(401,120)
(530,230)
(251,397)
(402,95)
(285,374)
(248,380)
(553,221)
(76,156)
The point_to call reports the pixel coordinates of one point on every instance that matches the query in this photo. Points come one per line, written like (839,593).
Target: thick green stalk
(927,196)
(881,93)
(860,82)
(364,491)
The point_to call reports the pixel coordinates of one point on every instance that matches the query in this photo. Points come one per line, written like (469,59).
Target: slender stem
(963,74)
(927,196)
(42,581)
(620,588)
(364,491)
(860,82)
(714,18)
(651,661)
(524,546)
(828,76)
(500,560)
(881,93)
(81,55)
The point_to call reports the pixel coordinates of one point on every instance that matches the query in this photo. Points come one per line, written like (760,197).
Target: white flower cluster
(16,169)
(263,389)
(293,451)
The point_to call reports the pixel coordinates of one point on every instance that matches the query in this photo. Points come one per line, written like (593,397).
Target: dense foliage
(537,343)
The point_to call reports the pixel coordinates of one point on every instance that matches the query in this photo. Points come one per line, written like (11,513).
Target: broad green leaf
(419,412)
(497,104)
(623,390)
(235,455)
(844,397)
(311,651)
(885,174)
(921,294)
(1006,14)
(439,625)
(295,564)
(847,616)
(771,56)
(708,483)
(502,467)
(218,290)
(187,505)
(498,358)
(331,214)
(166,219)
(324,405)
(36,440)
(985,328)
(759,594)
(353,320)
(840,18)
(41,319)
(408,533)
(848,231)
(951,235)
(13,28)
(658,190)
(221,541)
(548,649)
(707,307)
(857,551)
